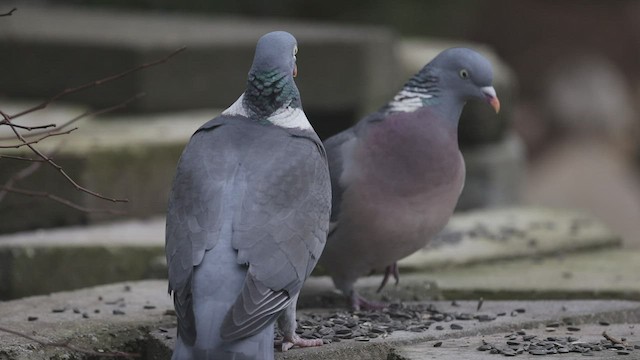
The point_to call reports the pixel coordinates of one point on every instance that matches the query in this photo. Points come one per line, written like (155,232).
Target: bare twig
(95,83)
(19,176)
(20,158)
(612,339)
(28,143)
(56,198)
(29,128)
(67,345)
(9,13)
(81,116)
(8,120)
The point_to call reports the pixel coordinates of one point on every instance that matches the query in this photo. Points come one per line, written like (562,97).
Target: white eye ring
(464,74)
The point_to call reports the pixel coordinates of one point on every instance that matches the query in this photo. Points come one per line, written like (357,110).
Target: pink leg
(360,303)
(390,270)
(296,340)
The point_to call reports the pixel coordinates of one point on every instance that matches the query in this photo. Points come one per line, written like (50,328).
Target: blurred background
(566,72)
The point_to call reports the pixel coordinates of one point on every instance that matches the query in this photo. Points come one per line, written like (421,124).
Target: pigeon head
(270,84)
(276,52)
(465,74)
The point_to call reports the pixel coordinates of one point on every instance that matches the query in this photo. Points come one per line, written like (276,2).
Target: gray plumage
(247,217)
(397,174)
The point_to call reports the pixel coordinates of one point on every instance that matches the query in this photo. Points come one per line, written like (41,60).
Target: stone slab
(601,274)
(145,303)
(510,233)
(467,348)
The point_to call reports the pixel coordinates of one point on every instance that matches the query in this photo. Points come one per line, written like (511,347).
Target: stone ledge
(135,250)
(145,303)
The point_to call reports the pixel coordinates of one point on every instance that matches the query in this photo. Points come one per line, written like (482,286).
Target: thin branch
(20,158)
(29,143)
(27,171)
(95,83)
(83,115)
(29,128)
(68,346)
(58,199)
(9,13)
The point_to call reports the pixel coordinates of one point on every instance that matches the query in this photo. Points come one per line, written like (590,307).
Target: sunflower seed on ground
(32,318)
(623,352)
(438,344)
(538,352)
(604,323)
(456,327)
(573,328)
(554,324)
(485,347)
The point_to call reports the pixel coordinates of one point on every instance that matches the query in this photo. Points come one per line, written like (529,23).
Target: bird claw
(390,270)
(296,340)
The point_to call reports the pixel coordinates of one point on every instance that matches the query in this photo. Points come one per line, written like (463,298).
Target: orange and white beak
(490,94)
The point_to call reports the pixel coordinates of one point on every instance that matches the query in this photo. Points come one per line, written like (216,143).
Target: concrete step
(134,250)
(141,324)
(344,70)
(134,157)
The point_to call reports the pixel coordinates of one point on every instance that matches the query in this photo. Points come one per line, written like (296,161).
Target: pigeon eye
(295,50)
(464,74)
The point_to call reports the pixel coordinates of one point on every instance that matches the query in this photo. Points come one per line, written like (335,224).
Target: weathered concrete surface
(135,250)
(128,332)
(466,348)
(143,305)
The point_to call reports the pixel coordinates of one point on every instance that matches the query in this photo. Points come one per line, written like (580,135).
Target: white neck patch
(236,108)
(287,117)
(408,101)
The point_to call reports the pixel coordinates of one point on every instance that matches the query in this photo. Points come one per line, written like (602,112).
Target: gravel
(366,325)
(521,343)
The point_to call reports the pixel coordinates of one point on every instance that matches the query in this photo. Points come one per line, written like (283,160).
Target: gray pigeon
(397,174)
(248,217)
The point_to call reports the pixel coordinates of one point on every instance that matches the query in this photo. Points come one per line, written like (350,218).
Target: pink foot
(390,270)
(360,303)
(298,341)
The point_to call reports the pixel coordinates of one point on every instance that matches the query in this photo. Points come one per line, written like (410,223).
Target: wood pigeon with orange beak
(397,174)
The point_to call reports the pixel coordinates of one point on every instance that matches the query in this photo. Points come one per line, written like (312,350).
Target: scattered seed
(554,324)
(32,318)
(573,328)
(149,307)
(118,312)
(85,315)
(76,311)
(58,310)
(480,301)
(623,352)
(604,323)
(520,310)
(456,327)
(438,344)
(550,329)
